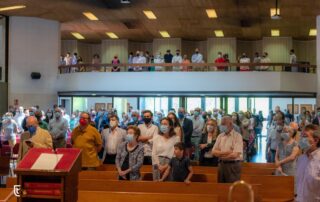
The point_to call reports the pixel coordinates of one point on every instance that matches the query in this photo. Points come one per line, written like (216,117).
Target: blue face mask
(304,144)
(164,129)
(285,136)
(129,137)
(180,115)
(196,113)
(223,129)
(32,130)
(134,118)
(31,113)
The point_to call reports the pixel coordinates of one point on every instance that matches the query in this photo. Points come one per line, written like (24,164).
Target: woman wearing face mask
(163,148)
(9,129)
(129,157)
(176,124)
(209,136)
(112,138)
(287,153)
(115,61)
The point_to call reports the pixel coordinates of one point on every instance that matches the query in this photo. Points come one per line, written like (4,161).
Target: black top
(168,58)
(179,168)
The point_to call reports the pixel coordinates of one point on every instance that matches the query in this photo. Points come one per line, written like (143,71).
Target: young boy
(179,166)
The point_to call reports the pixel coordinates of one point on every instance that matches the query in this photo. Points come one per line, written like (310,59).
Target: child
(179,166)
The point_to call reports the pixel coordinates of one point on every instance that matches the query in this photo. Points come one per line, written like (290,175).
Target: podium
(58,184)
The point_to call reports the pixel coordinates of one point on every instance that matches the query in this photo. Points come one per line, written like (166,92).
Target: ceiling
(186,19)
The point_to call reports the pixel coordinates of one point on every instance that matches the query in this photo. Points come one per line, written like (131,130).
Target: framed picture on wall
(99,106)
(295,110)
(109,106)
(307,106)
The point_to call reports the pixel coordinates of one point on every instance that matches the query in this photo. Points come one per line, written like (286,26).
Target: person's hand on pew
(187,181)
(163,168)
(202,146)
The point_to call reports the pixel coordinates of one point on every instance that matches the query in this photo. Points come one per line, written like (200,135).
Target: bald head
(227,121)
(32,121)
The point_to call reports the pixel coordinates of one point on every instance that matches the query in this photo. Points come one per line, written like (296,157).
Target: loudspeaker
(35,75)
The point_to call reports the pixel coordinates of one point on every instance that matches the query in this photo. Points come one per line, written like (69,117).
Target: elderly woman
(208,138)
(9,129)
(287,152)
(129,157)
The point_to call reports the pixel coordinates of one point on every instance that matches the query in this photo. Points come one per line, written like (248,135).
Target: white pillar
(318,61)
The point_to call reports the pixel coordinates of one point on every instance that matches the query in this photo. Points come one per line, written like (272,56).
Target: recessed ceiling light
(164,34)
(274,11)
(112,35)
(211,13)
(313,32)
(218,33)
(150,15)
(12,7)
(77,35)
(90,16)
(275,32)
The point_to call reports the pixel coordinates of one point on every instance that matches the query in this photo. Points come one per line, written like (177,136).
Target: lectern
(38,182)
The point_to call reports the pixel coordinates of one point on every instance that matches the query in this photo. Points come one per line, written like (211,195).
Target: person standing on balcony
(130,61)
(220,59)
(186,62)
(244,59)
(168,59)
(293,60)
(197,58)
(265,59)
(256,60)
(177,59)
(115,61)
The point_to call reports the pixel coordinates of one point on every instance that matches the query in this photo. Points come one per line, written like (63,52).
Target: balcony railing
(191,67)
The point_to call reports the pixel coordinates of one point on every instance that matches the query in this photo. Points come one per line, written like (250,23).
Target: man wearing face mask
(308,166)
(187,127)
(36,137)
(58,127)
(177,59)
(42,124)
(19,117)
(148,131)
(28,113)
(88,139)
(101,120)
(316,120)
(229,148)
(197,58)
(198,124)
(220,59)
(112,138)
(134,119)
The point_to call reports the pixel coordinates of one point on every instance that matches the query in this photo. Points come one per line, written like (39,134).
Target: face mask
(32,129)
(223,129)
(178,53)
(113,124)
(134,118)
(279,128)
(304,144)
(129,137)
(180,115)
(197,52)
(219,56)
(147,120)
(285,136)
(83,122)
(196,113)
(31,113)
(164,129)
(57,114)
(210,129)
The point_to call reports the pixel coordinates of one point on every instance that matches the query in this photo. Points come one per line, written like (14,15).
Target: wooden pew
(259,165)
(247,169)
(109,196)
(281,187)
(6,195)
(165,187)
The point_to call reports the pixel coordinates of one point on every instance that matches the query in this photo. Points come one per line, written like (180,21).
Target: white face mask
(113,124)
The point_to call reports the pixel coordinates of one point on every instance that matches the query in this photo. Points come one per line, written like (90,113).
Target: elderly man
(87,138)
(58,127)
(35,137)
(19,117)
(229,149)
(198,124)
(308,166)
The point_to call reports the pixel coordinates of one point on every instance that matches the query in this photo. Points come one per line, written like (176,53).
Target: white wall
(34,46)
(188,82)
(306,51)
(2,48)
(278,48)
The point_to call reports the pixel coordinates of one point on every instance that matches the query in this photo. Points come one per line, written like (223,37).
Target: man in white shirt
(148,131)
(19,117)
(198,124)
(308,166)
(197,58)
(177,59)
(229,149)
(112,138)
(265,59)
(244,59)
(293,60)
(158,60)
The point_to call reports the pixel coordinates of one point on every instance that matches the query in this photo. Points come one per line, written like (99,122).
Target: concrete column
(318,61)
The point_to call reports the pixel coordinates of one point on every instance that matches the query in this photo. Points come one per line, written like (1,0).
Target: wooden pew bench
(110,196)
(221,190)
(6,195)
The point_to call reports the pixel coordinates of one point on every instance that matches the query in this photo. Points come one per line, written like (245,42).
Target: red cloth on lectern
(65,163)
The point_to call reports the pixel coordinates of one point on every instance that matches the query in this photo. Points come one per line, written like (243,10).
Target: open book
(46,161)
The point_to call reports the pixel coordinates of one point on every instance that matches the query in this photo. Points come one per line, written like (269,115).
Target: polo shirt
(179,168)
(87,140)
